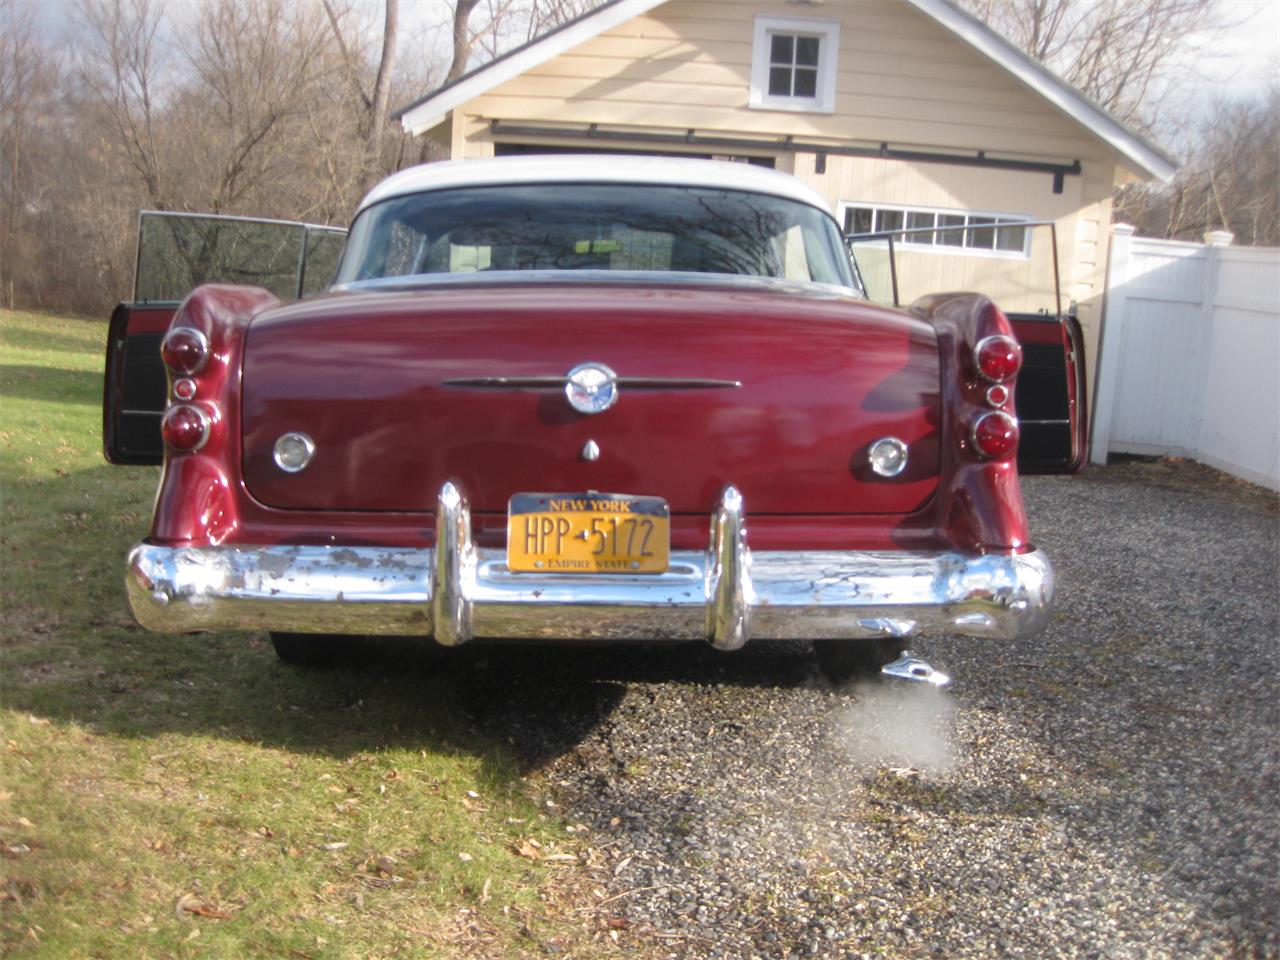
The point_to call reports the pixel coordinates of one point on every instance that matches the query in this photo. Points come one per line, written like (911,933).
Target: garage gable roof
(432,109)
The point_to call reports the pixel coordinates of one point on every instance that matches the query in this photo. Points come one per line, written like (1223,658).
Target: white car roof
(593,168)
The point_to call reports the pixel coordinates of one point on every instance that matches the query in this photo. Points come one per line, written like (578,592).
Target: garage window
(793,64)
(1000,234)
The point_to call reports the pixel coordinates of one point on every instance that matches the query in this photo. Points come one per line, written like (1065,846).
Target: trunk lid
(363,374)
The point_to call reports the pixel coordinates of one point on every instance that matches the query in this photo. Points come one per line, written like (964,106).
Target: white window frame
(1011,219)
(828,34)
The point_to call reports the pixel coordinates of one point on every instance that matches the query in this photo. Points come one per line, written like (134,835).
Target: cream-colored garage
(900,112)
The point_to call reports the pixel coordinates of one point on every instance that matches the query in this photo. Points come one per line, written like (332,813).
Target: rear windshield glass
(594,227)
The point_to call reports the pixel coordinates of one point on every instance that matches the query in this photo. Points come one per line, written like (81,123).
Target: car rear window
(594,227)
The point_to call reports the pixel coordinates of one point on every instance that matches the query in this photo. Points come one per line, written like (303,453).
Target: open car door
(177,252)
(1016,265)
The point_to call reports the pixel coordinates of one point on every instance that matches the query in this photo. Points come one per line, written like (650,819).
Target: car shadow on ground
(541,701)
(524,703)
(30,382)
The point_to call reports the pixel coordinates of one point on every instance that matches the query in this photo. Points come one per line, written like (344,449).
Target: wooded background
(279,108)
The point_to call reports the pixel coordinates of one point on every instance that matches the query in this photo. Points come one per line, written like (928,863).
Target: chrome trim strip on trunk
(678,383)
(724,595)
(552,383)
(507,383)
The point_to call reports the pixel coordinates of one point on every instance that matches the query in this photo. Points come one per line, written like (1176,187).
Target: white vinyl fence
(1190,354)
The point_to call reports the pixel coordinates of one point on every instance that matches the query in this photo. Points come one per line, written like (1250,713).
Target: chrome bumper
(724,595)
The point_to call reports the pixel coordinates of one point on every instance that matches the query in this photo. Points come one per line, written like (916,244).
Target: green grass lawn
(166,796)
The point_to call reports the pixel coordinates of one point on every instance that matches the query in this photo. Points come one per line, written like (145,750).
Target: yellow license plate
(587,533)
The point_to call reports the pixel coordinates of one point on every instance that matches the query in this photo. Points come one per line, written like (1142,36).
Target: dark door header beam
(1058,171)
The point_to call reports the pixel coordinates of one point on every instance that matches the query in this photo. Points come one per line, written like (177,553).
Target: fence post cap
(1219,238)
(1123,229)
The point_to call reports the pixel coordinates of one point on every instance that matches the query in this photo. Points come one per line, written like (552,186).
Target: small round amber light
(294,451)
(995,435)
(888,456)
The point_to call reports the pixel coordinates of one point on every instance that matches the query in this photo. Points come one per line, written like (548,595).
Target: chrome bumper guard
(724,595)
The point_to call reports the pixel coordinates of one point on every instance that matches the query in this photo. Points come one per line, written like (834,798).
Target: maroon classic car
(585,399)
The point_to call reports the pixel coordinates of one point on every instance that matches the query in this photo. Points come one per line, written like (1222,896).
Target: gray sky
(1240,61)
(1246,56)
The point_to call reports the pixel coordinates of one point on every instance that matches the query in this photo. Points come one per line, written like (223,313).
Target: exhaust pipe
(914,670)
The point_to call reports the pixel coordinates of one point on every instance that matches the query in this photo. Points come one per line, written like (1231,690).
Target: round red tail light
(185,427)
(185,350)
(995,435)
(997,358)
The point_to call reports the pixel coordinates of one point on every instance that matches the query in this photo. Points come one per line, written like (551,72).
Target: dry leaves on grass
(380,871)
(197,905)
(532,850)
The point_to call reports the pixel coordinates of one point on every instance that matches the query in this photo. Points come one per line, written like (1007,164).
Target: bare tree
(257,65)
(386,64)
(247,123)
(27,84)
(545,15)
(376,102)
(1122,53)
(262,107)
(1230,182)
(463,39)
(1133,55)
(120,72)
(508,23)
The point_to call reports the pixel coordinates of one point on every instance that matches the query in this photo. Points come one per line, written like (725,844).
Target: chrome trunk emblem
(590,451)
(591,388)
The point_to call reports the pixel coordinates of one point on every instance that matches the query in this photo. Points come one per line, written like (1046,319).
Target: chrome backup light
(294,451)
(888,456)
(591,388)
(184,388)
(997,395)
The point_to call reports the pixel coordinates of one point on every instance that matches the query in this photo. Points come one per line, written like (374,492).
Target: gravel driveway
(1107,789)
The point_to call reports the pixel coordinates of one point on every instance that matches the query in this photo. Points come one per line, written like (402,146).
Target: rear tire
(315,649)
(845,660)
